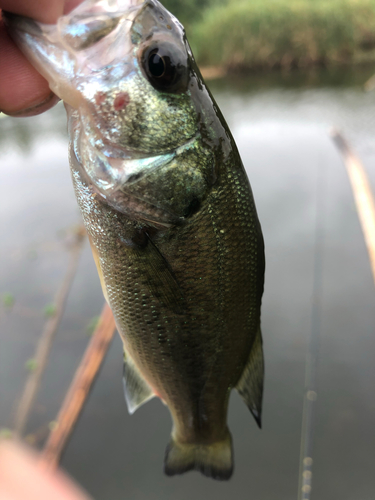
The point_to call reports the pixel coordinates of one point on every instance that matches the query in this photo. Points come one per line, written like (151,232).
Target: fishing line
(310,392)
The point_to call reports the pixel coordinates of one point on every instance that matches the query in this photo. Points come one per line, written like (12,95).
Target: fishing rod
(312,355)
(365,204)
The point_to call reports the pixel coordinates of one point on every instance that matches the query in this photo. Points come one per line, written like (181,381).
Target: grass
(253,34)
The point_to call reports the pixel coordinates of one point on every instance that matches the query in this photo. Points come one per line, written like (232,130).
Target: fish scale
(218,291)
(169,213)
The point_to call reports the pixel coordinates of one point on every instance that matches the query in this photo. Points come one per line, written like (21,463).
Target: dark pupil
(156,65)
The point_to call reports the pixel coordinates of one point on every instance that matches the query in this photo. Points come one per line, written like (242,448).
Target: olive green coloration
(173,228)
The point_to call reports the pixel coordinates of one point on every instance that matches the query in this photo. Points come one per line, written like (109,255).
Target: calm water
(281,126)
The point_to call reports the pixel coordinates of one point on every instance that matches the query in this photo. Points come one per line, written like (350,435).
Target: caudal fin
(214,460)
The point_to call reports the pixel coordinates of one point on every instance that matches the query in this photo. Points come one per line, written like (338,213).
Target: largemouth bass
(169,213)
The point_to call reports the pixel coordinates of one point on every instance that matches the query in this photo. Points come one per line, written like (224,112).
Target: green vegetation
(53,425)
(49,310)
(5,433)
(92,325)
(256,34)
(188,11)
(8,299)
(31,365)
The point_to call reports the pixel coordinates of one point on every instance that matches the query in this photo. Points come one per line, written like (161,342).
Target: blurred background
(283,73)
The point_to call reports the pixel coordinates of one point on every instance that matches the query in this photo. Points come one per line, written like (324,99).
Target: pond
(281,124)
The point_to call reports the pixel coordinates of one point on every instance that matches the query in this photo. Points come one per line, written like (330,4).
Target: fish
(169,212)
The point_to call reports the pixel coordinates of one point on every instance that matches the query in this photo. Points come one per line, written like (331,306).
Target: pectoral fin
(158,272)
(162,280)
(137,390)
(250,385)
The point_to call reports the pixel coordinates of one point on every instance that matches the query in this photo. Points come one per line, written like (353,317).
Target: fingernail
(36,108)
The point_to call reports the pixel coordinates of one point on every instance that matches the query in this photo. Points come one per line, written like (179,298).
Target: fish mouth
(94,35)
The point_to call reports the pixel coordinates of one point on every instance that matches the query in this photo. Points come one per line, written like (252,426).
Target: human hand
(23,476)
(23,91)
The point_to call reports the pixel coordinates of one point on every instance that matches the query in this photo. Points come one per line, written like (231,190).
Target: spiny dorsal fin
(250,385)
(136,389)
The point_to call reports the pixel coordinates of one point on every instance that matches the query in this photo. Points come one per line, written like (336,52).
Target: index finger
(44,11)
(23,91)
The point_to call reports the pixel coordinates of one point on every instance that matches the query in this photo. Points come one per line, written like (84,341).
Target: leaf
(49,310)
(93,323)
(8,299)
(31,365)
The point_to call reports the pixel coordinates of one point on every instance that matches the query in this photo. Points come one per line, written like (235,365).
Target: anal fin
(250,385)
(137,390)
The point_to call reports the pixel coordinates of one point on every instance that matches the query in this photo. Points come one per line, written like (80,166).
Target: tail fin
(213,460)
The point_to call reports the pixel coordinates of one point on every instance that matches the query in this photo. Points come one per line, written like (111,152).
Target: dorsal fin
(137,390)
(250,385)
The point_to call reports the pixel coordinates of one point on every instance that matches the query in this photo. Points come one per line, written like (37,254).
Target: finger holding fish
(23,91)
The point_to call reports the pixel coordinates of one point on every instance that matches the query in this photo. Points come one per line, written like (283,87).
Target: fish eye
(165,67)
(156,65)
